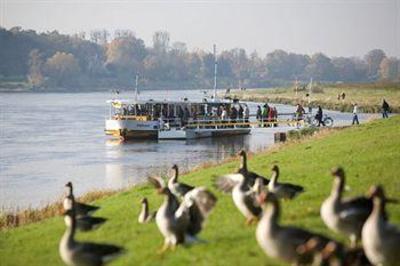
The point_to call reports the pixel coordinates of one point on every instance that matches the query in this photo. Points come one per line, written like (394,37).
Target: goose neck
(271,214)
(68,237)
(274,179)
(378,208)
(243,162)
(337,188)
(145,208)
(70,190)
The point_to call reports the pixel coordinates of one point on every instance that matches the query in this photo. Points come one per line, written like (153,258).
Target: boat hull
(206,133)
(132,129)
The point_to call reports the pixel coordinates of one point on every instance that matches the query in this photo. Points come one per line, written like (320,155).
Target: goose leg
(248,221)
(353,241)
(251,221)
(164,248)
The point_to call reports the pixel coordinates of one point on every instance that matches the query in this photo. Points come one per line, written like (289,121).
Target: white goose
(75,253)
(381,240)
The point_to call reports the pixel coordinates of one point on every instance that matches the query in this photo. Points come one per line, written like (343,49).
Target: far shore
(369,97)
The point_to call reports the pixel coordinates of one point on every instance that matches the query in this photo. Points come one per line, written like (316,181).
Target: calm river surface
(47,139)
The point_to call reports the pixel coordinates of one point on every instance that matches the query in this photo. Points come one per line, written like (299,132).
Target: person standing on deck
(264,114)
(234,114)
(240,113)
(224,114)
(246,112)
(355,115)
(259,113)
(385,109)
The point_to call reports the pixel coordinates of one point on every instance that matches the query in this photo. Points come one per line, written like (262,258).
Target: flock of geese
(181,217)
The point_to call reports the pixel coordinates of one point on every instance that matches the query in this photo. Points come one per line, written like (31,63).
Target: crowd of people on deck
(267,115)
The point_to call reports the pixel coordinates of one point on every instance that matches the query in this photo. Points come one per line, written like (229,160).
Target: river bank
(369,154)
(367,96)
(49,139)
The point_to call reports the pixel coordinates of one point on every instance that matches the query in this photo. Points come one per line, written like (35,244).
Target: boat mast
(310,90)
(215,72)
(136,87)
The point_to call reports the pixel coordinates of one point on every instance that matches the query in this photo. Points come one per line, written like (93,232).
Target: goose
(380,239)
(251,176)
(346,216)
(74,253)
(86,223)
(145,216)
(81,209)
(179,223)
(281,242)
(282,190)
(177,188)
(244,196)
(333,254)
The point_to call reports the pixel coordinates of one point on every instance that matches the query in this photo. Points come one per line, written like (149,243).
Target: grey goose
(346,216)
(179,189)
(74,253)
(283,190)
(282,242)
(243,196)
(250,176)
(81,209)
(380,239)
(145,216)
(333,254)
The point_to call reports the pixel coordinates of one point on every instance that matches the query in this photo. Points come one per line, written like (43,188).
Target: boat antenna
(215,72)
(136,87)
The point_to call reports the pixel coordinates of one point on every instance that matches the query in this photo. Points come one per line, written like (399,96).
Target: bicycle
(327,120)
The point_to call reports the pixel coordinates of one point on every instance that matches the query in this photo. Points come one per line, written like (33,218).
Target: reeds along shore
(12,219)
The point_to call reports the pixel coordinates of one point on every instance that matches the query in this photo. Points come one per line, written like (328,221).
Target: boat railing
(241,123)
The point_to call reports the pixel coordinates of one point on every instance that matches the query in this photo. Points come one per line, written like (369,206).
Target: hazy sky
(337,28)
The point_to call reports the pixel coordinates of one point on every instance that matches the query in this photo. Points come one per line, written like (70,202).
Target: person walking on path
(385,109)
(299,112)
(355,116)
(319,116)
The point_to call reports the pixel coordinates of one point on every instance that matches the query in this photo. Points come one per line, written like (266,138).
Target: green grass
(367,96)
(369,153)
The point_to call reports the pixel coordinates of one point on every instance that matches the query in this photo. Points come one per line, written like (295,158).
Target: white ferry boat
(175,119)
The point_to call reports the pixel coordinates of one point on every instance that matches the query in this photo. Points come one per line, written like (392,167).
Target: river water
(48,139)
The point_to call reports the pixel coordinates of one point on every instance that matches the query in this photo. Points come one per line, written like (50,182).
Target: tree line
(99,60)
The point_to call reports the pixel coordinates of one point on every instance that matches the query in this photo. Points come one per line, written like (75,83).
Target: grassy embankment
(369,153)
(367,96)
